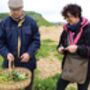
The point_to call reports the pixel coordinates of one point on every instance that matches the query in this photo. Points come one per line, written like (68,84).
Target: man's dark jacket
(30,40)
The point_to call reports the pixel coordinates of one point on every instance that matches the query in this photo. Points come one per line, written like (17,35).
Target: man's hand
(25,57)
(10,57)
(72,48)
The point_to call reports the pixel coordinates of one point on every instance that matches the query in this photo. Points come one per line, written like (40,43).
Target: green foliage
(45,84)
(71,88)
(48,48)
(49,83)
(3,15)
(17,76)
(1,60)
(38,18)
(13,76)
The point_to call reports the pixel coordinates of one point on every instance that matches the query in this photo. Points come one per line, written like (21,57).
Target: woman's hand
(72,48)
(61,49)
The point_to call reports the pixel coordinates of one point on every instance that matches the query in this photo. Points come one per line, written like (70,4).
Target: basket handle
(11,65)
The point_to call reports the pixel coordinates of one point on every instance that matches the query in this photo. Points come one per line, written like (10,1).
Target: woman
(78,43)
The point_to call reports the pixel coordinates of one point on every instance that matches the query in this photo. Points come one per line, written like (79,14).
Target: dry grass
(52,33)
(49,66)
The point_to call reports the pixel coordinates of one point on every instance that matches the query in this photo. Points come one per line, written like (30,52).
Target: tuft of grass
(1,60)
(45,84)
(71,88)
(49,83)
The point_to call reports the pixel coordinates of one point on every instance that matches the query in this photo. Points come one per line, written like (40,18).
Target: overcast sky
(50,9)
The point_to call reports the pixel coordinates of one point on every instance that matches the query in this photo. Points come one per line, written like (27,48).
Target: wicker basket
(11,85)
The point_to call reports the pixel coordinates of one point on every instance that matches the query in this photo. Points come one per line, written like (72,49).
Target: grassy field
(48,48)
(48,53)
(48,60)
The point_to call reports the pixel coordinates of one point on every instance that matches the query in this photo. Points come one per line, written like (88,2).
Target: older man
(19,38)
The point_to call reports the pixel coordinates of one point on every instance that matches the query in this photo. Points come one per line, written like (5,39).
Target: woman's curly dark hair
(73,9)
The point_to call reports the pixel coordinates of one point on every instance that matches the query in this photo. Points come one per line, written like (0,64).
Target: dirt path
(48,68)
